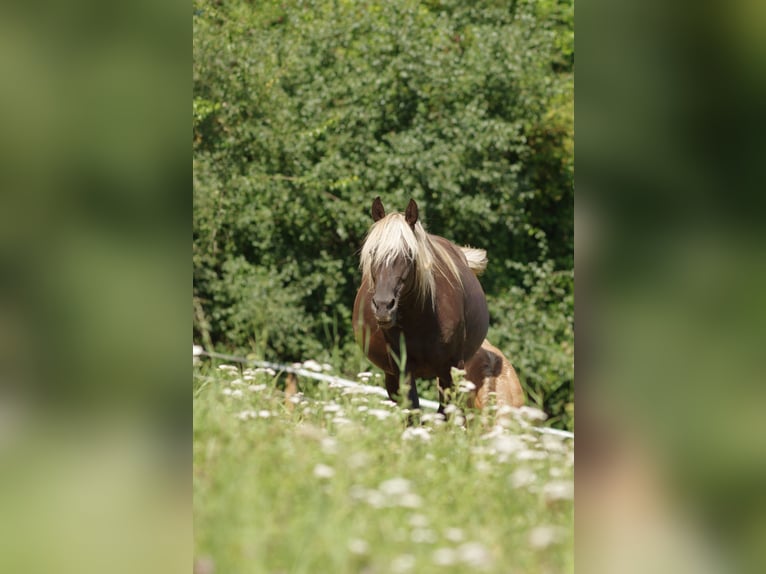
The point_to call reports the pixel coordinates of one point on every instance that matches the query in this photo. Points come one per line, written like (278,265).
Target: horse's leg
(445,383)
(392,387)
(413,393)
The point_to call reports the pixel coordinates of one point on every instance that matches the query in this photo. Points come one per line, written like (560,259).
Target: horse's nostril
(387,305)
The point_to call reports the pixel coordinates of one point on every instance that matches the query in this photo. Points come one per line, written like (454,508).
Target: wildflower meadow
(331,479)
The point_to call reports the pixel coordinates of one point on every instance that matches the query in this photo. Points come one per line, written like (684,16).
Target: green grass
(317,489)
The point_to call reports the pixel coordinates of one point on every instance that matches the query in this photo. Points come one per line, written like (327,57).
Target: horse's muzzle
(386,320)
(384,311)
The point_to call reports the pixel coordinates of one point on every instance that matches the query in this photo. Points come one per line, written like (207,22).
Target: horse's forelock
(392,237)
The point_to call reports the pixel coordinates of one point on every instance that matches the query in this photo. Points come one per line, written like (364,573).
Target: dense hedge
(304,111)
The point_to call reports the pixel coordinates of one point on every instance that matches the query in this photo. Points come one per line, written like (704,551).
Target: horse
(420,309)
(491,372)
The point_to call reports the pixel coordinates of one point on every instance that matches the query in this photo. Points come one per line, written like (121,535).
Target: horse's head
(388,284)
(393,275)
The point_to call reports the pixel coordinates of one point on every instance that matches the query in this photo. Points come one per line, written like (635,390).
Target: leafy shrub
(304,111)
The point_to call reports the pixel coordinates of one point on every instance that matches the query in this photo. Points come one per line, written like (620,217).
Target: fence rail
(341,382)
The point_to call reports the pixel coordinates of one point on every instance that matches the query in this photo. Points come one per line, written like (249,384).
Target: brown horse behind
(419,289)
(491,372)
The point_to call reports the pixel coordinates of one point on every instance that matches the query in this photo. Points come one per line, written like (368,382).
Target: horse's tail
(477,259)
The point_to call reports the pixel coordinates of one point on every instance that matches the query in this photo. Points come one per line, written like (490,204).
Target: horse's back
(475,315)
(492,372)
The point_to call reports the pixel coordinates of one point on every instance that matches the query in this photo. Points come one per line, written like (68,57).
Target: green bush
(303,112)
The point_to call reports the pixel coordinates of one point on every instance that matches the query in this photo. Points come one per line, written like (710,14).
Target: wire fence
(343,383)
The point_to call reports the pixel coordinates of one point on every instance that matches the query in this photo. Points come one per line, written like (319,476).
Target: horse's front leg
(392,387)
(413,393)
(444,384)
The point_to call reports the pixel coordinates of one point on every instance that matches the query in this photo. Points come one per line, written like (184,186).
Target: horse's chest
(430,343)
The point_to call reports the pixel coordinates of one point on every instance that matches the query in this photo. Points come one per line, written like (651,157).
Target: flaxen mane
(392,237)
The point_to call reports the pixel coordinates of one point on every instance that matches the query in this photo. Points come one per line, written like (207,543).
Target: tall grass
(331,481)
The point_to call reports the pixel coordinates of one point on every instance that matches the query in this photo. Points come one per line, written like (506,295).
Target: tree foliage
(304,111)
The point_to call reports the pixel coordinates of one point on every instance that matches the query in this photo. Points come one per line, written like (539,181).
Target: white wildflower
(395,486)
(449,409)
(423,536)
(412,433)
(503,410)
(541,537)
(403,563)
(375,499)
(558,490)
(245,415)
(497,430)
(237,393)
(454,534)
(380,414)
(507,444)
(326,367)
(340,421)
(196,350)
(362,408)
(364,376)
(228,368)
(256,388)
(554,443)
(410,500)
(418,521)
(226,391)
(522,477)
(444,556)
(466,387)
(264,414)
(331,408)
(324,471)
(436,418)
(358,546)
(531,413)
(474,554)
(530,454)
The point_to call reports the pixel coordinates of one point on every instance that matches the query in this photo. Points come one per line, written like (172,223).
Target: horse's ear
(411,214)
(377,209)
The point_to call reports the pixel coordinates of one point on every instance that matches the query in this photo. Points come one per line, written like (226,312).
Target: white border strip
(345,383)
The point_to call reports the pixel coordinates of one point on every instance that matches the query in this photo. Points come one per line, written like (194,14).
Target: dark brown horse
(420,289)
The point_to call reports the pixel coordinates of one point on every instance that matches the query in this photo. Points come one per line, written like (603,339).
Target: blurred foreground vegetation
(312,483)
(303,112)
